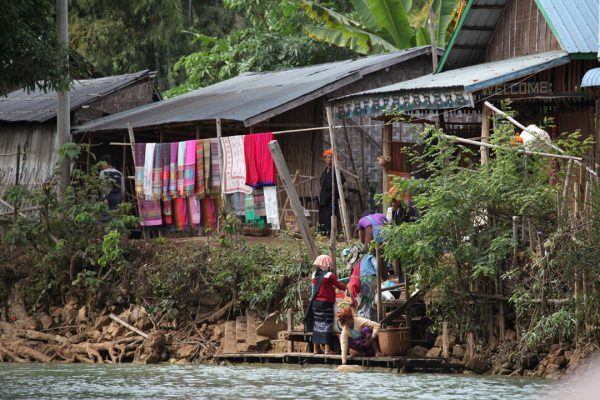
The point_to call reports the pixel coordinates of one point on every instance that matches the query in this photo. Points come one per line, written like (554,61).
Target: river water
(77,381)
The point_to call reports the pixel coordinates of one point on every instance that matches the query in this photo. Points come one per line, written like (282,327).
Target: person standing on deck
(403,209)
(326,194)
(113,180)
(324,283)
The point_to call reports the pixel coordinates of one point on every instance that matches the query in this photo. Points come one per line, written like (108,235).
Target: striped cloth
(148,170)
(166,175)
(209,212)
(180,213)
(180,169)
(259,203)
(157,171)
(207,165)
(200,189)
(167,212)
(249,207)
(189,168)
(194,210)
(150,212)
(173,154)
(139,150)
(215,168)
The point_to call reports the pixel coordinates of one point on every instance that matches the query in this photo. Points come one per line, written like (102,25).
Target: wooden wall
(522,30)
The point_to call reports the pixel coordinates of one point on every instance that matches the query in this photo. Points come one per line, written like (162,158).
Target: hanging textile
(148,169)
(189,169)
(173,156)
(180,213)
(157,172)
(249,207)
(167,212)
(199,190)
(180,169)
(166,174)
(259,203)
(215,168)
(150,212)
(271,207)
(194,210)
(139,150)
(260,168)
(207,165)
(234,165)
(209,213)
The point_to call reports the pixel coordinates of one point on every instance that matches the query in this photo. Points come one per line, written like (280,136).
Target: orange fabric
(328,152)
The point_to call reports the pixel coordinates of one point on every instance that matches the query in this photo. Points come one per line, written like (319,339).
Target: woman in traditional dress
(359,335)
(324,283)
(362,285)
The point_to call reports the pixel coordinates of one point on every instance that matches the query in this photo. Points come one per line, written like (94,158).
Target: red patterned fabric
(260,168)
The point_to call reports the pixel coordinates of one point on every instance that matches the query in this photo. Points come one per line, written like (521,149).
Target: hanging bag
(309,316)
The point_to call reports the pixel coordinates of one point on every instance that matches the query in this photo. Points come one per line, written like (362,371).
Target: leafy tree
(379,26)
(31,55)
(269,37)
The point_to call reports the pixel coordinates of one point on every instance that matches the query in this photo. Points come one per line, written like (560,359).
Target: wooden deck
(398,363)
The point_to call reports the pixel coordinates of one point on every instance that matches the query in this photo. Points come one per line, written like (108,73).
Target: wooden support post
(378,276)
(290,327)
(338,175)
(288,184)
(387,155)
(445,340)
(469,351)
(485,134)
(197,132)
(219,134)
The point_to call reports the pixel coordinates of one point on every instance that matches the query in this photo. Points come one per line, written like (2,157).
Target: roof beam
(478,28)
(488,6)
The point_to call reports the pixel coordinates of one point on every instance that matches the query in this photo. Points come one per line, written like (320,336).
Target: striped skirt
(323,325)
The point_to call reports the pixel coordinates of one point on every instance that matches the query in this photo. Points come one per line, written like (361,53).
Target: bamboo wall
(522,30)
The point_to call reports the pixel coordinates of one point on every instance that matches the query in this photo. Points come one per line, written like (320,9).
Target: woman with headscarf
(324,283)
(363,281)
(358,334)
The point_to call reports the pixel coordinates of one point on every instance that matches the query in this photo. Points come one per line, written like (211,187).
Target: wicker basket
(394,341)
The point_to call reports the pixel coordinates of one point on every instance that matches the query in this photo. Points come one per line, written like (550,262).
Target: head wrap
(344,313)
(354,253)
(328,152)
(324,262)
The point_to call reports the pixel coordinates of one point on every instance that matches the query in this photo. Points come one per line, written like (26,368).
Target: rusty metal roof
(39,106)
(255,96)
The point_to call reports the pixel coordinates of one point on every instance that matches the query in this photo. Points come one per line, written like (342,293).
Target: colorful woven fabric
(260,168)
(259,202)
(189,168)
(180,169)
(157,172)
(194,210)
(148,170)
(215,168)
(173,156)
(234,165)
(139,151)
(166,175)
(207,165)
(199,189)
(249,208)
(180,213)
(150,212)
(209,213)
(167,211)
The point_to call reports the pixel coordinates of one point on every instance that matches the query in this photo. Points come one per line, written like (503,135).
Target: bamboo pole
(338,176)
(387,154)
(128,326)
(378,276)
(485,134)
(288,184)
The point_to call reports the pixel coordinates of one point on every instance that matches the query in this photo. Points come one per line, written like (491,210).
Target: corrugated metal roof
(591,78)
(476,77)
(37,106)
(574,23)
(255,96)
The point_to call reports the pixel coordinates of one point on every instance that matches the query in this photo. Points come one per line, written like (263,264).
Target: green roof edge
(448,49)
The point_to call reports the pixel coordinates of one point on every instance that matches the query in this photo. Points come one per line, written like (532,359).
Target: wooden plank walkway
(398,363)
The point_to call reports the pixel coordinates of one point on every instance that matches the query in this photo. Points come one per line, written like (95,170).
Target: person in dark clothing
(326,194)
(402,209)
(112,193)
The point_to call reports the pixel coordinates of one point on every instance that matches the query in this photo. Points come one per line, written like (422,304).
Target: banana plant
(380,26)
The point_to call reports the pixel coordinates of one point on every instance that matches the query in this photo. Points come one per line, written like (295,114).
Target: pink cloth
(324,262)
(260,168)
(189,167)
